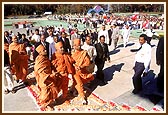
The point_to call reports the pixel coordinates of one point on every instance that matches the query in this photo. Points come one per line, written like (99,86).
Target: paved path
(118,73)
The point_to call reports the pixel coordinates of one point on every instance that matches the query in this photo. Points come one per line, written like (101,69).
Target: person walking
(18,60)
(62,63)
(104,32)
(47,80)
(82,76)
(142,63)
(102,56)
(115,35)
(91,50)
(126,35)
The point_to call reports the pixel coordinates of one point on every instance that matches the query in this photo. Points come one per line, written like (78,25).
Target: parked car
(31,16)
(38,16)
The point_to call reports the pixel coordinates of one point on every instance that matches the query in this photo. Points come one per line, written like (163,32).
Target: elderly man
(46,80)
(18,60)
(82,76)
(91,50)
(62,63)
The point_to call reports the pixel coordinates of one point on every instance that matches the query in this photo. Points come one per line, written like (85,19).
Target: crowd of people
(58,53)
(136,20)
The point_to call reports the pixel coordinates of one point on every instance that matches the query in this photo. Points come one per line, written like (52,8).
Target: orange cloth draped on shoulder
(6,47)
(81,76)
(19,60)
(63,64)
(45,80)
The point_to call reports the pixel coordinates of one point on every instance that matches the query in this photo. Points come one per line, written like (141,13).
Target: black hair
(144,36)
(101,36)
(24,35)
(37,30)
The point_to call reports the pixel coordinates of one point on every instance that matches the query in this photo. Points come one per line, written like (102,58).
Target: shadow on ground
(122,45)
(108,73)
(114,52)
(150,89)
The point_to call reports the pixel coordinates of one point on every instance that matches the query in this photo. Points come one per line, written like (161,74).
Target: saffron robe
(46,80)
(19,60)
(81,76)
(63,65)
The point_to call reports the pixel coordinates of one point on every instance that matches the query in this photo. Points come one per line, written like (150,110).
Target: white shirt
(50,39)
(105,33)
(126,33)
(36,38)
(91,50)
(144,56)
(148,32)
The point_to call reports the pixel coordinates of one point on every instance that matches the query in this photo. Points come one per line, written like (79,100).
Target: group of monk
(52,76)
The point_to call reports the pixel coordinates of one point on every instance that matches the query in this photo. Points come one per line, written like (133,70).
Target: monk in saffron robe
(18,60)
(45,78)
(62,63)
(82,76)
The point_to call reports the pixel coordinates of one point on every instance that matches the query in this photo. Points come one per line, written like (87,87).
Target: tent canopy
(96,9)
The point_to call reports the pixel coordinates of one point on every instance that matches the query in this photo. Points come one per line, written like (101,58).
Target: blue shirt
(51,49)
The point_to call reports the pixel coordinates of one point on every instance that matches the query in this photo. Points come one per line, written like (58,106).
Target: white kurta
(126,35)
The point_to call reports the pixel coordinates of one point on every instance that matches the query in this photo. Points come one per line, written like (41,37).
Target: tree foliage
(29,9)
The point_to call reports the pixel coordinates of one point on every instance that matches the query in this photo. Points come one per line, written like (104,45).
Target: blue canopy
(96,9)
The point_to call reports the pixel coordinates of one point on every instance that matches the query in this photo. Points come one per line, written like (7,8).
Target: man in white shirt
(104,32)
(50,38)
(36,36)
(126,34)
(142,63)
